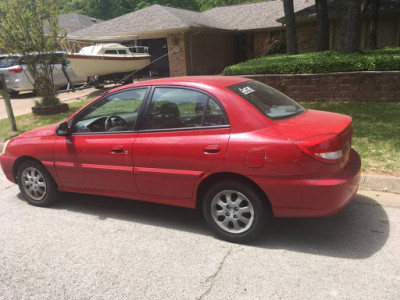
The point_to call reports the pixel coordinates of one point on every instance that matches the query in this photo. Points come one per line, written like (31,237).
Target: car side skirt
(188,203)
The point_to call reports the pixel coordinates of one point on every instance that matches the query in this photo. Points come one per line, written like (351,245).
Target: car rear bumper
(19,84)
(313,197)
(7,164)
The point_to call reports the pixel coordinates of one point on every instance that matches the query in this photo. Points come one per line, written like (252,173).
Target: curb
(380,183)
(369,182)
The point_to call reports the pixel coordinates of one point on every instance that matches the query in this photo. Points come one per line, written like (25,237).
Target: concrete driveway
(106,248)
(23,102)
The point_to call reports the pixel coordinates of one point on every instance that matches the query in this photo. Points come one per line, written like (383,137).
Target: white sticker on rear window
(246,90)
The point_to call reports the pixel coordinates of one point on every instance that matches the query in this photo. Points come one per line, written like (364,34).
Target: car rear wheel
(235,211)
(13,93)
(36,184)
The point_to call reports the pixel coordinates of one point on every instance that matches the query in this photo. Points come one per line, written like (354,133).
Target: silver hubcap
(232,211)
(33,183)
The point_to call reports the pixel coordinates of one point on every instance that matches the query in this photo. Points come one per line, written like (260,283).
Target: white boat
(108,58)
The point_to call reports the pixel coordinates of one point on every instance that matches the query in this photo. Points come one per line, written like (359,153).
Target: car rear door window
(183,108)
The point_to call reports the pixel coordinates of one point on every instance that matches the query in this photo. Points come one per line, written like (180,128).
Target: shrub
(275,45)
(387,59)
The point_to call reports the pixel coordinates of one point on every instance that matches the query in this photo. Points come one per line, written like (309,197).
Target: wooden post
(7,102)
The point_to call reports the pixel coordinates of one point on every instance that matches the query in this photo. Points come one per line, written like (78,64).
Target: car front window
(116,112)
(272,103)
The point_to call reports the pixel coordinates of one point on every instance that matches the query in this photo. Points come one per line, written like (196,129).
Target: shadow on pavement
(24,95)
(357,232)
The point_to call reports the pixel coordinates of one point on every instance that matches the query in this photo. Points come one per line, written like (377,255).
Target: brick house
(209,41)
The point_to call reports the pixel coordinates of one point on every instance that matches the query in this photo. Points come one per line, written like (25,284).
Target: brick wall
(211,52)
(349,86)
(177,60)
(259,39)
(307,37)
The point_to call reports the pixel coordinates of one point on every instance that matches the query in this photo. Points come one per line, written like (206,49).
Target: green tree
(30,28)
(109,9)
(322,25)
(207,4)
(351,26)
(371,7)
(291,33)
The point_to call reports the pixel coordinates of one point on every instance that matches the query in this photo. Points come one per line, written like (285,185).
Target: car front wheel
(235,211)
(36,184)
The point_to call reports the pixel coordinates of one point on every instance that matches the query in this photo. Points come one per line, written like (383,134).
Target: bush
(387,59)
(275,45)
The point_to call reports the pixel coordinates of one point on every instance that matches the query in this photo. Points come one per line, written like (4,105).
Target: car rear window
(6,62)
(272,103)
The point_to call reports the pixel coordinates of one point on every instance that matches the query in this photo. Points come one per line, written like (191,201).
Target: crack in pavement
(6,188)
(213,276)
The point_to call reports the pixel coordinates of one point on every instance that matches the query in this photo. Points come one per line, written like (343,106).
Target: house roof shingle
(257,15)
(73,22)
(156,19)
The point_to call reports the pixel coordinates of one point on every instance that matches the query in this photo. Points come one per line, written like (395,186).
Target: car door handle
(212,149)
(117,149)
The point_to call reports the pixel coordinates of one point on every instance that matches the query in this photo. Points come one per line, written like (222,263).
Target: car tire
(13,93)
(98,86)
(36,184)
(235,211)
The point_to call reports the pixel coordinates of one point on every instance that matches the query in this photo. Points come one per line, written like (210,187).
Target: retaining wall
(346,86)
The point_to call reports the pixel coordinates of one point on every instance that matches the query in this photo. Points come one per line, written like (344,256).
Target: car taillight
(329,148)
(15,70)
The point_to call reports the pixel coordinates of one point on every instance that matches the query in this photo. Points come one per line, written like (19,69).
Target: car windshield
(270,102)
(6,62)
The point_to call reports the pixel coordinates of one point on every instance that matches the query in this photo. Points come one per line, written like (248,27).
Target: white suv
(19,79)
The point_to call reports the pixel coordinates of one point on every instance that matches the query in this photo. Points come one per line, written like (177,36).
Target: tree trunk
(373,25)
(351,26)
(322,25)
(291,37)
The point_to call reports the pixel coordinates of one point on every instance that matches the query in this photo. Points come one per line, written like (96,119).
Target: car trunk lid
(323,136)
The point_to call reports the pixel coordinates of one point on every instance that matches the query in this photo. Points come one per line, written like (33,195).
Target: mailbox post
(7,102)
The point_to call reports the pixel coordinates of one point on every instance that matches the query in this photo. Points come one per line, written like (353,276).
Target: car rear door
(184,135)
(59,78)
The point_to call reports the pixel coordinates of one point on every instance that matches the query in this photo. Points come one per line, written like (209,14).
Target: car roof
(190,81)
(220,81)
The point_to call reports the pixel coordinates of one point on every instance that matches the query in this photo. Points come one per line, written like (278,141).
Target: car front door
(98,154)
(184,134)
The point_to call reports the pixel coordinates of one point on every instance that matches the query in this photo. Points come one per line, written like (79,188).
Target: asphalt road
(88,247)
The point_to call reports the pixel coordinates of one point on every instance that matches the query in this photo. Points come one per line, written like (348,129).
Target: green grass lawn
(29,121)
(376,130)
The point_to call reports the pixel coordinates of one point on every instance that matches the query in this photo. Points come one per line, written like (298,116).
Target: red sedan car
(235,148)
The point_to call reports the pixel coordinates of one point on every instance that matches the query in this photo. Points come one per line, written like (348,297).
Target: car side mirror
(63,129)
